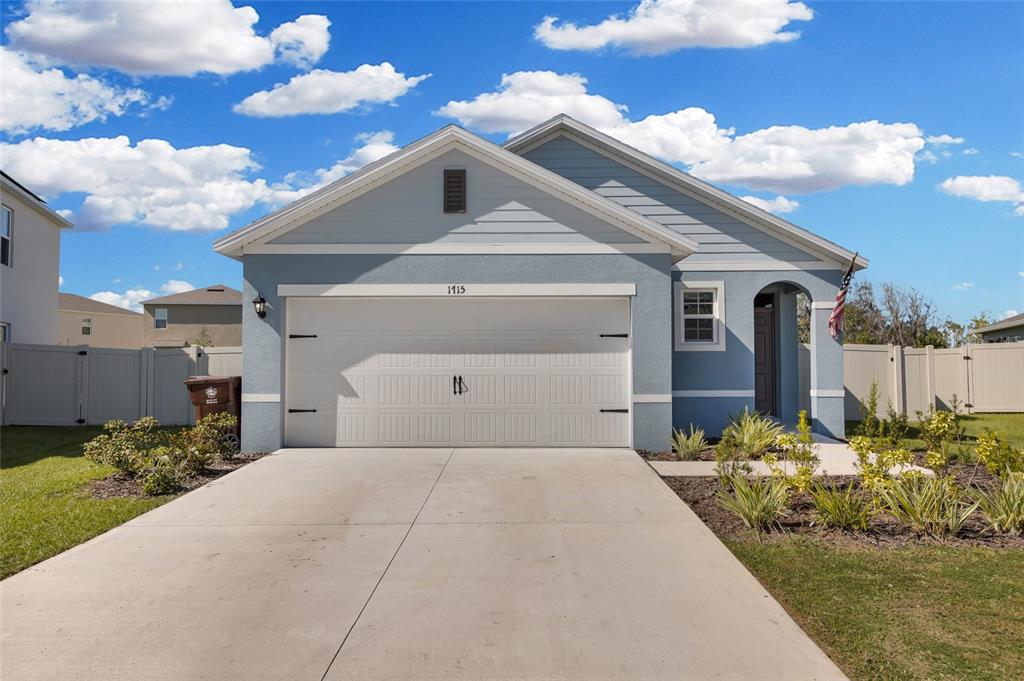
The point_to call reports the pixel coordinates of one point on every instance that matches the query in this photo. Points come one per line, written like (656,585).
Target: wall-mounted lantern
(260,303)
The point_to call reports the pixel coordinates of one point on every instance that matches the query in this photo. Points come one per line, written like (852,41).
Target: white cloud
(1021,275)
(164,38)
(117,280)
(302,42)
(155,184)
(662,26)
(1017,154)
(326,92)
(790,159)
(1010,313)
(34,96)
(372,146)
(942,140)
(60,281)
(963,286)
(778,205)
(172,286)
(179,266)
(129,300)
(133,297)
(986,188)
(971,151)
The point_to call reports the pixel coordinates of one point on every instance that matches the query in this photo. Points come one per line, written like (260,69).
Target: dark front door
(764,360)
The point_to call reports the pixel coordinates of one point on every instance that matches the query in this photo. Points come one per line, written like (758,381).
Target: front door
(764,360)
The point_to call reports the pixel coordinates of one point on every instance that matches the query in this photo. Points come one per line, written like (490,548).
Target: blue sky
(939,69)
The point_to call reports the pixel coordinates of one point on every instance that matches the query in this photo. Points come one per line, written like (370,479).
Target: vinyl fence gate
(53,385)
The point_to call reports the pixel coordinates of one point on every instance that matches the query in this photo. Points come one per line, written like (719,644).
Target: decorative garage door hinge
(613,335)
(302,335)
(301,411)
(614,411)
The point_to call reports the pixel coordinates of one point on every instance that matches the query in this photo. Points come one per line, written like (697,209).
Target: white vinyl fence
(986,377)
(53,385)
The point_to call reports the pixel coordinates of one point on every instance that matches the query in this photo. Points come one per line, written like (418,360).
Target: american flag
(835,320)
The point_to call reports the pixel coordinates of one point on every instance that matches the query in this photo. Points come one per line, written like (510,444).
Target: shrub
(1003,507)
(875,459)
(752,433)
(198,446)
(800,451)
(165,474)
(928,505)
(996,454)
(729,461)
(687,446)
(842,508)
(759,503)
(122,445)
(869,425)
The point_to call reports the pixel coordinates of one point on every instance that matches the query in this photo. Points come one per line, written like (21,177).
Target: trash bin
(216,394)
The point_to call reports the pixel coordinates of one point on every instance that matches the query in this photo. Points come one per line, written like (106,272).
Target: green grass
(44,511)
(912,613)
(1012,425)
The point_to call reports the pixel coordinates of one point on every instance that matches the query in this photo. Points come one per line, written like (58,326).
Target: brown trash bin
(216,394)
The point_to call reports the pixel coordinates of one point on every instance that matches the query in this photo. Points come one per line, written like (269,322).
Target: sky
(893,129)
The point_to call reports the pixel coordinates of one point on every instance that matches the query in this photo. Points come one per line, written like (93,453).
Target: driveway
(407,564)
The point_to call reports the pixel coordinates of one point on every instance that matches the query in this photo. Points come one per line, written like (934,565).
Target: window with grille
(86,326)
(700,315)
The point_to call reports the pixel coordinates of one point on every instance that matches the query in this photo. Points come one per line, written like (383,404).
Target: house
(210,316)
(29,265)
(564,289)
(1006,330)
(84,321)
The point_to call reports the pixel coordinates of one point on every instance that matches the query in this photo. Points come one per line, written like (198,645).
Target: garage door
(461,372)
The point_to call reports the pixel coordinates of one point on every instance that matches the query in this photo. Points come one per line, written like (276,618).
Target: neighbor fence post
(82,384)
(146,382)
(929,372)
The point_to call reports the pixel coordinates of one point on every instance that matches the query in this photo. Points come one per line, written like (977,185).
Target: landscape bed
(889,602)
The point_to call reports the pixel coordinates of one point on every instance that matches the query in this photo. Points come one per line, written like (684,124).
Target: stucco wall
(108,330)
(651,310)
(28,288)
(185,322)
(732,371)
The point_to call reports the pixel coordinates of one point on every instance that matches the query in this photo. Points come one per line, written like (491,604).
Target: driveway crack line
(387,567)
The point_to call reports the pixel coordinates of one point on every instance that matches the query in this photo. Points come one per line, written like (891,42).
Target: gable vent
(455,190)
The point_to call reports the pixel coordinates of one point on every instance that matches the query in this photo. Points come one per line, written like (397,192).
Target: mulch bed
(124,485)
(668,455)
(883,531)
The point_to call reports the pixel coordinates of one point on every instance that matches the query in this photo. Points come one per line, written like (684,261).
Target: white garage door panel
(380,372)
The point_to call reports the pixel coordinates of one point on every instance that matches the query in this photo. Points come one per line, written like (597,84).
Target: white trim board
(450,249)
(454,290)
(261,397)
(651,399)
(754,266)
(823,305)
(712,393)
(721,329)
(828,393)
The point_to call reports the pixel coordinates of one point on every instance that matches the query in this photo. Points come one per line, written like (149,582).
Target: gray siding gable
(721,236)
(501,209)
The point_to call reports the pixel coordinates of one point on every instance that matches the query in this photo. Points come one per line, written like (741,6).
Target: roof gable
(216,294)
(256,236)
(685,184)
(70,302)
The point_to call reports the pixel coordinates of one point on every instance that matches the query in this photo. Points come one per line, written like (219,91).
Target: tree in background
(203,339)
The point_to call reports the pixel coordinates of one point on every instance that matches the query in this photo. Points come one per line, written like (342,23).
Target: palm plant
(752,433)
(1003,506)
(759,503)
(688,446)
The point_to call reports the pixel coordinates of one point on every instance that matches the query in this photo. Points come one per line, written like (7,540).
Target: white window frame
(9,212)
(717,288)
(157,318)
(86,326)
(5,332)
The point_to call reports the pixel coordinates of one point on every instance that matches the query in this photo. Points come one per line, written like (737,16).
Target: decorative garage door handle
(301,411)
(614,411)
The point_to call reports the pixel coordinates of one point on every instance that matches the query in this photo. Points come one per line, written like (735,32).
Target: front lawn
(44,511)
(933,612)
(1011,425)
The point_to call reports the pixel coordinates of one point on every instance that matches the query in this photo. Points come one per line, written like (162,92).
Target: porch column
(827,393)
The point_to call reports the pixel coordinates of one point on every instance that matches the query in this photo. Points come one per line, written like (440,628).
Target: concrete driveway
(407,564)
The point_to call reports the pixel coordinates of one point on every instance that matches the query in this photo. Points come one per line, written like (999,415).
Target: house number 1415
(456,290)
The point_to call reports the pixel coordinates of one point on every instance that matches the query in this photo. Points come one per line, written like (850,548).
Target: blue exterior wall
(733,369)
(651,311)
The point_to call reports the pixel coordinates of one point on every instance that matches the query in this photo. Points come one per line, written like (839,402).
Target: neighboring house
(29,265)
(1006,330)
(183,319)
(561,290)
(84,321)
